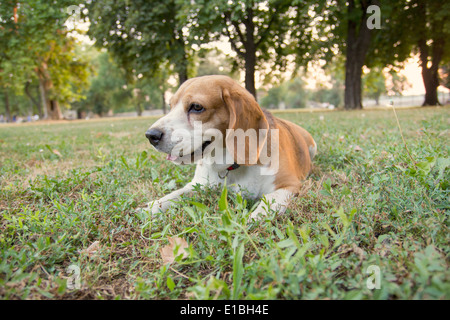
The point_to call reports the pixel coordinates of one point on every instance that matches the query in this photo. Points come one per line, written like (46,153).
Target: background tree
(214,61)
(256,30)
(149,94)
(357,45)
(274,98)
(108,89)
(335,71)
(12,78)
(397,83)
(142,35)
(430,24)
(37,46)
(343,28)
(290,94)
(418,27)
(374,84)
(445,75)
(111,91)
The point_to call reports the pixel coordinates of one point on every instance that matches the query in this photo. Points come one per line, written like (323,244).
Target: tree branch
(423,50)
(28,93)
(437,49)
(236,26)
(265,33)
(232,39)
(233,43)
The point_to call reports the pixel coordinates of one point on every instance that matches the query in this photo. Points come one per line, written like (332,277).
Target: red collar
(233,167)
(230,168)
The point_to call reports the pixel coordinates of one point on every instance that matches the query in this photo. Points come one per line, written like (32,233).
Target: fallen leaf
(57,153)
(341,138)
(357,148)
(167,252)
(92,249)
(359,252)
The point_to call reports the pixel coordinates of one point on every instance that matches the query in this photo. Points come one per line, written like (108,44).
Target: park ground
(371,222)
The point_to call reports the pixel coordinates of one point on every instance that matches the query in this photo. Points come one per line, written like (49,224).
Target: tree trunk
(353,74)
(7,108)
(182,76)
(250,53)
(430,74)
(139,109)
(249,45)
(30,110)
(50,106)
(33,101)
(43,98)
(430,57)
(41,112)
(250,64)
(55,110)
(431,83)
(183,66)
(357,46)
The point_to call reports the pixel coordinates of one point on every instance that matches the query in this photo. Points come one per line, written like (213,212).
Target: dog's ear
(248,127)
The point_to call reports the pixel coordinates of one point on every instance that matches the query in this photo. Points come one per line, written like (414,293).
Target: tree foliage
(420,27)
(150,41)
(374,84)
(142,35)
(110,91)
(36,47)
(107,90)
(258,31)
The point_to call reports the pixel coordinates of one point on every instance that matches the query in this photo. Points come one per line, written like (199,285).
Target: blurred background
(84,59)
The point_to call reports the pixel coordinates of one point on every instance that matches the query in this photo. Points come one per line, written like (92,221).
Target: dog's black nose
(154,136)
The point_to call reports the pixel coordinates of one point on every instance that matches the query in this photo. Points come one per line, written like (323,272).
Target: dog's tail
(312,150)
(312,146)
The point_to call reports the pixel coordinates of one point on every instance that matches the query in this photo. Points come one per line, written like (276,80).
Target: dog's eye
(195,107)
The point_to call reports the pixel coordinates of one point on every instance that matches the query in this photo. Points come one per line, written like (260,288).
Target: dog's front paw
(263,209)
(258,214)
(158,206)
(155,207)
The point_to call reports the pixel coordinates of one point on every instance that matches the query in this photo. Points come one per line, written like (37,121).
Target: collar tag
(230,168)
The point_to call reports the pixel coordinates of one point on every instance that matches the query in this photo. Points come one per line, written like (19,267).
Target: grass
(365,206)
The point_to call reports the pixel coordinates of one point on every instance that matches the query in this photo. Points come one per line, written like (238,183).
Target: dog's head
(207,112)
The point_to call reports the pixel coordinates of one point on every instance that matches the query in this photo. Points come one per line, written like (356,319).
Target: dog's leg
(277,201)
(163,204)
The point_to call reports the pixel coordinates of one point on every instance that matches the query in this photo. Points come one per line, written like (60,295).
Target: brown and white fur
(227,105)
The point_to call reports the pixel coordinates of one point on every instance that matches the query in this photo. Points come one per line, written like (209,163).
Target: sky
(413,73)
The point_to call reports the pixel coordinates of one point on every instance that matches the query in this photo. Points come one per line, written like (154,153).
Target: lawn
(369,223)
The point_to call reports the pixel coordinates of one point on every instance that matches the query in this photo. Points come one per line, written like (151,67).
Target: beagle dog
(208,124)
